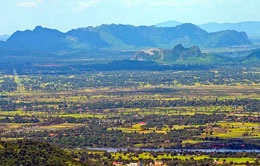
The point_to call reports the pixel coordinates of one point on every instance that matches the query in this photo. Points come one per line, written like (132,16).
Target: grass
(10,139)
(141,129)
(37,113)
(147,155)
(241,160)
(28,127)
(189,110)
(84,115)
(235,130)
(21,113)
(189,141)
(59,126)
(11,126)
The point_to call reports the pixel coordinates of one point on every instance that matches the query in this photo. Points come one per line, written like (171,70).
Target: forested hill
(120,37)
(33,153)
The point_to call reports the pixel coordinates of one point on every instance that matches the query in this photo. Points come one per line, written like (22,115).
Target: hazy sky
(67,14)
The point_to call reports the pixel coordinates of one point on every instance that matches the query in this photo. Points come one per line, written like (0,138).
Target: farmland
(179,109)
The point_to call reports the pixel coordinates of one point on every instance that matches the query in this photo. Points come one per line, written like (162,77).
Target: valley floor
(191,109)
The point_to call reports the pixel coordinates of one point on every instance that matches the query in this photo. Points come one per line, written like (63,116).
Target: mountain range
(250,27)
(120,37)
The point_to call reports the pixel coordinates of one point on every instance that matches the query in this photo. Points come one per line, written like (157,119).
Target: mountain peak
(38,28)
(186,52)
(170,23)
(190,27)
(178,47)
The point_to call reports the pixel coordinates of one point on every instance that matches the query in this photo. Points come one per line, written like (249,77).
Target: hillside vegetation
(33,153)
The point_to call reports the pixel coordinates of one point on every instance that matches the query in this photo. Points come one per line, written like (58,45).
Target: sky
(65,15)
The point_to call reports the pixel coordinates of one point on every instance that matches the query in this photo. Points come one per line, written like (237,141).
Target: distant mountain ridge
(121,37)
(170,23)
(250,27)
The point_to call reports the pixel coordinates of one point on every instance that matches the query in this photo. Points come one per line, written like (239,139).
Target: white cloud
(29,3)
(83,4)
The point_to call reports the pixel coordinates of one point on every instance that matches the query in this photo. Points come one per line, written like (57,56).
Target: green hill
(33,153)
